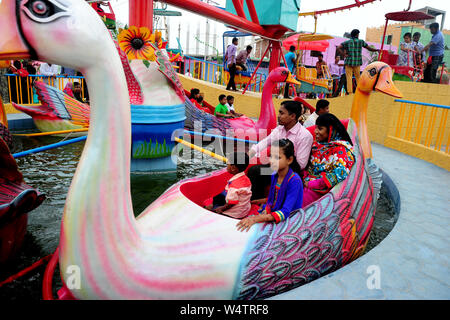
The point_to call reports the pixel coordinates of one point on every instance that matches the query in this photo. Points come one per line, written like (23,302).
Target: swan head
(282,74)
(377,76)
(47,30)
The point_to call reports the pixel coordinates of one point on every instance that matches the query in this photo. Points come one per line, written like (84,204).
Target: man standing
(230,56)
(322,107)
(436,52)
(353,61)
(290,61)
(241,59)
(337,73)
(49,70)
(319,65)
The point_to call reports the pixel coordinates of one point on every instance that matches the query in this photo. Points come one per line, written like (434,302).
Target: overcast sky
(335,24)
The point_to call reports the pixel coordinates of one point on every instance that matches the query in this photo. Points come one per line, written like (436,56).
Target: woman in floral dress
(331,160)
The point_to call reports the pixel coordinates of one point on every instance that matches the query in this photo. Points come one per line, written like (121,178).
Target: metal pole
(256,69)
(382,42)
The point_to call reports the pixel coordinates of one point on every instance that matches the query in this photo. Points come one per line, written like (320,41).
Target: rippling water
(51,172)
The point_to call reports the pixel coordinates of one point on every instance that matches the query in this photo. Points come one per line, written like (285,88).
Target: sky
(336,24)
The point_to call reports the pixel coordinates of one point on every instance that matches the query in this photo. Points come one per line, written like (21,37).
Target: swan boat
(16,197)
(175,249)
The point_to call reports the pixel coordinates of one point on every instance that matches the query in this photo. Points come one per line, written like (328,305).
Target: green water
(51,172)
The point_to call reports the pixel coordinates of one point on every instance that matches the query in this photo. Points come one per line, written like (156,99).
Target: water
(51,172)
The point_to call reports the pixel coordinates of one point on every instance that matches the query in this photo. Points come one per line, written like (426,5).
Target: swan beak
(386,85)
(11,43)
(290,79)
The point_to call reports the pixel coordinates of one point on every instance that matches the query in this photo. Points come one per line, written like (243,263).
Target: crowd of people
(413,53)
(301,168)
(236,61)
(49,72)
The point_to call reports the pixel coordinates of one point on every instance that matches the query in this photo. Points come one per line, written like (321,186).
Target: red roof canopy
(408,16)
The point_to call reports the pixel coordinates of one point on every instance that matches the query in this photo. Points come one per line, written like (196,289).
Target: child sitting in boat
(331,158)
(221,110)
(234,201)
(286,188)
(230,106)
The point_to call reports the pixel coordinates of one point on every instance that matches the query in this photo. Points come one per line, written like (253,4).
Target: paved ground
(413,260)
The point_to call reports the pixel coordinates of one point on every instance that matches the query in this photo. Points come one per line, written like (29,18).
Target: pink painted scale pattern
(134,89)
(314,241)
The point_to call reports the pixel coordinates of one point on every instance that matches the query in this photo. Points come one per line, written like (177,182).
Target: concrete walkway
(413,260)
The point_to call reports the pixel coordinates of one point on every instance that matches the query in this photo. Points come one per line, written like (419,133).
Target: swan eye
(40,8)
(373,72)
(43,10)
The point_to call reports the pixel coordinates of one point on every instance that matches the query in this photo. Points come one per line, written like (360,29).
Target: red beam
(356,4)
(141,13)
(239,8)
(223,16)
(252,11)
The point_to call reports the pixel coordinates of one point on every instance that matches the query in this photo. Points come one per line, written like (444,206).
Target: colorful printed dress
(284,198)
(330,163)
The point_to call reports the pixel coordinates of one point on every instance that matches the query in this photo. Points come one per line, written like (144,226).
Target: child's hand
(246,223)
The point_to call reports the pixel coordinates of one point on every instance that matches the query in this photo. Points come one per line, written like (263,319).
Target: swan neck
(359,115)
(267,111)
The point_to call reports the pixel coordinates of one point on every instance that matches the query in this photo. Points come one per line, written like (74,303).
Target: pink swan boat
(16,197)
(244,126)
(175,249)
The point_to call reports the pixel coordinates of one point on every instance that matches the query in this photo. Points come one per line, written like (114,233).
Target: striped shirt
(239,192)
(354,49)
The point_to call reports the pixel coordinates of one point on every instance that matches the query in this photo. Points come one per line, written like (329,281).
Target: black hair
(293,107)
(320,55)
(194,91)
(408,34)
(354,33)
(234,39)
(75,83)
(249,47)
(240,160)
(322,104)
(289,151)
(229,98)
(17,64)
(330,120)
(417,34)
(292,48)
(434,25)
(222,96)
(200,99)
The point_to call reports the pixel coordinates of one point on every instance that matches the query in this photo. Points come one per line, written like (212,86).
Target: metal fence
(214,73)
(21,90)
(424,124)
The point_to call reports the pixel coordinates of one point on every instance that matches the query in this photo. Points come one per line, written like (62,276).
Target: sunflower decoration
(138,43)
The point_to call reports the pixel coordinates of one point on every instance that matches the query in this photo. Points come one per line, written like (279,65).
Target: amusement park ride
(176,249)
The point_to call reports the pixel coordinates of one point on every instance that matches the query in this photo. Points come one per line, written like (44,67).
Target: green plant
(147,150)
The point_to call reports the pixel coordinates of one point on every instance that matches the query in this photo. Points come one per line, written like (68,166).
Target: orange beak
(386,85)
(291,79)
(11,44)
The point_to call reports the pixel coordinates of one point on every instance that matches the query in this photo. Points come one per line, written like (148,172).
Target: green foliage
(149,151)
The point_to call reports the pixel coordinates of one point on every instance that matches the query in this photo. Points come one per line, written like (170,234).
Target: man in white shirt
(49,70)
(336,71)
(230,56)
(288,128)
(322,107)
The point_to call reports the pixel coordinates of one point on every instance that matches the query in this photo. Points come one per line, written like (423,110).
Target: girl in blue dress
(286,188)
